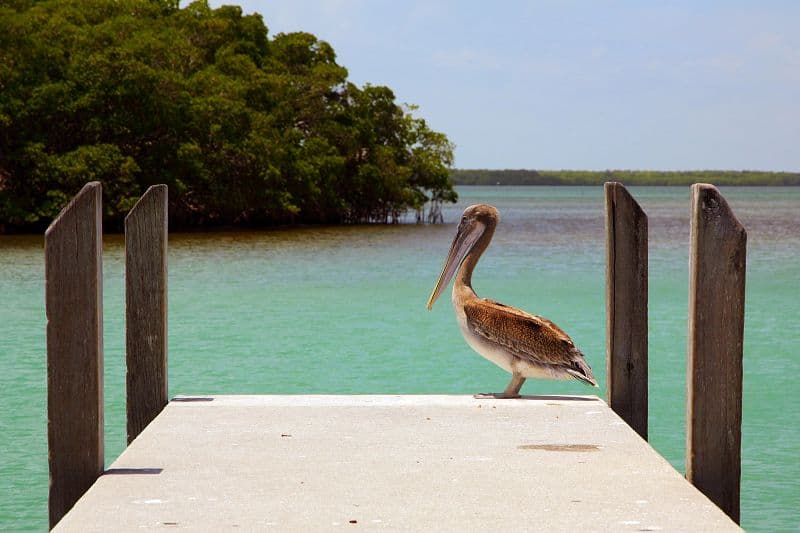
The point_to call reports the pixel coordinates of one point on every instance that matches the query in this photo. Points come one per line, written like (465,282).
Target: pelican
(525,345)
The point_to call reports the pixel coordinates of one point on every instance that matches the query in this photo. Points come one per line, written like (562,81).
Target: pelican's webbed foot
(494,396)
(512,391)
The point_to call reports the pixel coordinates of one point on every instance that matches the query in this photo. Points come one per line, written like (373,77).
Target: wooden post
(146,308)
(626,307)
(714,363)
(74,306)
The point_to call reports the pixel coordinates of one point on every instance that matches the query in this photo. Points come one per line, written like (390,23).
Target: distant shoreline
(628,177)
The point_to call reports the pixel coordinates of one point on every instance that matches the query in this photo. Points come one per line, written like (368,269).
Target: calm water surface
(342,310)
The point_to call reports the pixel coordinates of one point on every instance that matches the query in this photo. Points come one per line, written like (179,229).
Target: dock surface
(409,463)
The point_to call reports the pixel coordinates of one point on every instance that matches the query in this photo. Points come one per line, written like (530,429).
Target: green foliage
(243,128)
(628,177)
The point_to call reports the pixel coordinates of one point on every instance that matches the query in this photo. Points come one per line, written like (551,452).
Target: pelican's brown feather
(527,336)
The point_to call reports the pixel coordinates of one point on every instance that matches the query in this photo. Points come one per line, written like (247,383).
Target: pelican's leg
(512,391)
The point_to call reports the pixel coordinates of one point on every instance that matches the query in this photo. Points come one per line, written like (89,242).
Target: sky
(590,84)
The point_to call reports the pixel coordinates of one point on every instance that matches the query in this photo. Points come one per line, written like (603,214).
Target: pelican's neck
(462,287)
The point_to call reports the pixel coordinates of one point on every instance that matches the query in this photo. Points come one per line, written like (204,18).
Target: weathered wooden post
(74,308)
(626,306)
(146,308)
(714,365)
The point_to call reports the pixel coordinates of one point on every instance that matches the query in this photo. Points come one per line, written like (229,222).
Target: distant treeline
(628,177)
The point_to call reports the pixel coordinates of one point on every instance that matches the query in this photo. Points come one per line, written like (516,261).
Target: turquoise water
(342,310)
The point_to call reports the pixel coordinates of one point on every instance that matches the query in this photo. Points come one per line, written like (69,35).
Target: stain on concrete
(561,447)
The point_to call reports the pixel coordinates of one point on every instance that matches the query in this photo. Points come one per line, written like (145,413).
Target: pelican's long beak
(469,231)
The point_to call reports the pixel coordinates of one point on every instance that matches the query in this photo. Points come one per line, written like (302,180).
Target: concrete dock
(409,463)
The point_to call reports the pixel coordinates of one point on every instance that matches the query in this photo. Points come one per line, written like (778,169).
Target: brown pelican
(525,345)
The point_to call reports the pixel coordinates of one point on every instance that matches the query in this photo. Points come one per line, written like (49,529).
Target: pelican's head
(475,222)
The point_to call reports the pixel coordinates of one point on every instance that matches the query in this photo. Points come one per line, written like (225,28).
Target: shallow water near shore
(342,310)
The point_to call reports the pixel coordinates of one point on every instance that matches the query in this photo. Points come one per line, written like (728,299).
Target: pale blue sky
(578,85)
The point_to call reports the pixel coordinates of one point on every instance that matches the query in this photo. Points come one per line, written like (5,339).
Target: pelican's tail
(581,371)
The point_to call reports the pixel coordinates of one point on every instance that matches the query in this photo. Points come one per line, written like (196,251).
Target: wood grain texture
(146,308)
(74,308)
(626,307)
(714,365)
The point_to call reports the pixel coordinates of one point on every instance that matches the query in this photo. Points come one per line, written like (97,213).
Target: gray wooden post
(626,307)
(146,308)
(714,363)
(74,306)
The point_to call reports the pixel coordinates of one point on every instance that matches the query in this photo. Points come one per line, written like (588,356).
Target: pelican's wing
(527,336)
